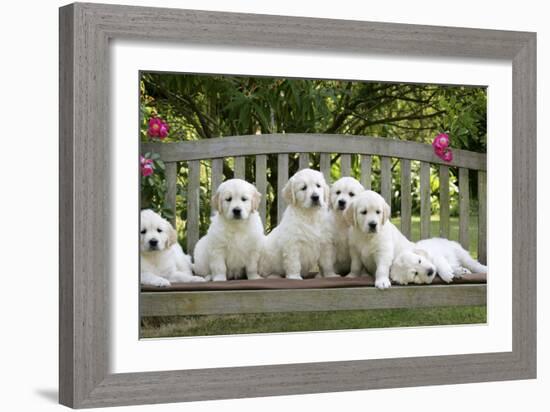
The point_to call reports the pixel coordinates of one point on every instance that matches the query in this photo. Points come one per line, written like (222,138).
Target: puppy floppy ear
(172,235)
(349,215)
(216,203)
(288,192)
(256,199)
(386,213)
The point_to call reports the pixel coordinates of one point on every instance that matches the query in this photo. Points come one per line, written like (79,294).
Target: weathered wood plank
(366,170)
(320,143)
(482,217)
(385,180)
(303,160)
(464,207)
(239,167)
(406,198)
(425,206)
(216,175)
(324,165)
(282,178)
(444,225)
(345,164)
(193,205)
(171,188)
(261,183)
(306,300)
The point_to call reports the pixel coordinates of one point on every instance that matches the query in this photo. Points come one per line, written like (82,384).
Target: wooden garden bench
(268,295)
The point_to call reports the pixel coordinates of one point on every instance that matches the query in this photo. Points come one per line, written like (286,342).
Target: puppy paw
(197,279)
(331,275)
(446,276)
(253,276)
(294,277)
(461,272)
(219,278)
(351,275)
(382,283)
(160,282)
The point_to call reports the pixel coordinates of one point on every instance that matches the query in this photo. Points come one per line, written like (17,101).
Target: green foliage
(205,106)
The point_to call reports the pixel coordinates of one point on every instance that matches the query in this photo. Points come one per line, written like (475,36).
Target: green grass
(309,321)
(336,320)
(453,223)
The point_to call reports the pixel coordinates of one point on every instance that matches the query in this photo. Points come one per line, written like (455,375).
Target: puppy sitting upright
(231,247)
(374,240)
(300,243)
(162,259)
(342,192)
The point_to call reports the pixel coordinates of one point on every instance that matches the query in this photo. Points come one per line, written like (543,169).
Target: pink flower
(146,166)
(441,141)
(158,128)
(447,156)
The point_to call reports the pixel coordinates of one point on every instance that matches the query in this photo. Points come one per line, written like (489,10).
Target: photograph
(276,205)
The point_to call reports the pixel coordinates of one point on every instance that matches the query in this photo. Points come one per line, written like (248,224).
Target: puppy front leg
(291,263)
(218,270)
(326,261)
(252,266)
(356,264)
(444,269)
(382,275)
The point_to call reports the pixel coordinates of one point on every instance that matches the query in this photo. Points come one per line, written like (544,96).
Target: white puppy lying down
(447,258)
(342,192)
(300,243)
(374,240)
(231,247)
(162,259)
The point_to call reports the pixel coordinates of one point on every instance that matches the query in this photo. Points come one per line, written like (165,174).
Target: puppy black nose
(153,242)
(372,225)
(315,197)
(430,272)
(237,211)
(342,202)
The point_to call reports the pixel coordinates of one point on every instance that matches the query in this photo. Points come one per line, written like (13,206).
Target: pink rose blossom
(147,170)
(441,141)
(158,128)
(447,156)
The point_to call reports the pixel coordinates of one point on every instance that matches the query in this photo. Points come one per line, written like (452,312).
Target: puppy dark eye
(143,231)
(244,199)
(338,192)
(159,230)
(419,260)
(229,199)
(318,185)
(415,273)
(304,188)
(351,194)
(378,212)
(363,212)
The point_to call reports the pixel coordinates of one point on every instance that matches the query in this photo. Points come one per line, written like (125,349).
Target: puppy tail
(470,263)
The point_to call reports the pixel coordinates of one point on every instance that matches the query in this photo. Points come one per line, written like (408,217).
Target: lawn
(308,321)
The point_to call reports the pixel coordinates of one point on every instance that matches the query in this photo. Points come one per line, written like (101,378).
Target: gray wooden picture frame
(85,32)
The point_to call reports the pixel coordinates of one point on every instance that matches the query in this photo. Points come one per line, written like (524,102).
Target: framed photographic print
(284,186)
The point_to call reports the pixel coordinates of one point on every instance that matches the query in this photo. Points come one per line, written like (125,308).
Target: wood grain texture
(385,180)
(366,170)
(406,198)
(444,211)
(324,165)
(306,300)
(482,217)
(216,175)
(85,33)
(305,143)
(171,188)
(303,161)
(345,164)
(193,205)
(239,167)
(282,178)
(464,208)
(425,204)
(261,183)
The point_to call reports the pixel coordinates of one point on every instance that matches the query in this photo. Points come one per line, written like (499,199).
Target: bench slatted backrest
(329,147)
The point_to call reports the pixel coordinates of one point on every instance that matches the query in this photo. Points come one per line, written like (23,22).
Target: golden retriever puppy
(342,192)
(430,256)
(231,247)
(162,259)
(374,240)
(300,243)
